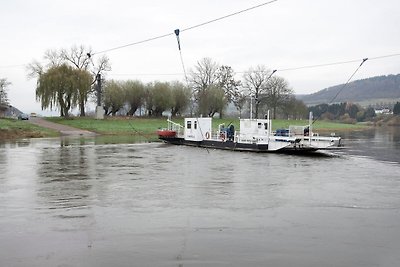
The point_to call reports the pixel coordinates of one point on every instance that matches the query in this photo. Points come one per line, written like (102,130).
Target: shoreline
(11,129)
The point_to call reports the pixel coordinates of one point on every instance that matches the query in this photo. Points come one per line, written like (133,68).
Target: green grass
(148,126)
(115,126)
(12,129)
(143,127)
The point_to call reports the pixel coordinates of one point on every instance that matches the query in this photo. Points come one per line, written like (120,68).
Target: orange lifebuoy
(207,135)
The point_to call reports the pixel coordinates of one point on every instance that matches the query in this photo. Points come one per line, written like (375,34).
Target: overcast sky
(280,35)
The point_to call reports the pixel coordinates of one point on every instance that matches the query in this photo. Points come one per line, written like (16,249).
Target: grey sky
(281,35)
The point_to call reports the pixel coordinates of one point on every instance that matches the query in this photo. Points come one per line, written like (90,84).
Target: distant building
(384,111)
(10,112)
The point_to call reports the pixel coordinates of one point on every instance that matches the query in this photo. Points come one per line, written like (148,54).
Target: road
(62,129)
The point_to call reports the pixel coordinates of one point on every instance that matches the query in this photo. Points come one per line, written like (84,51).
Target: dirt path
(62,129)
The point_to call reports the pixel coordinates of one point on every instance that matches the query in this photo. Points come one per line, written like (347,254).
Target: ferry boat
(255,135)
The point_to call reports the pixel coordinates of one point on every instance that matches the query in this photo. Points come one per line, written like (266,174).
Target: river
(113,202)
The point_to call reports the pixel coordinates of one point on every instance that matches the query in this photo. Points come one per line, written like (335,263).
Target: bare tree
(52,59)
(239,100)
(208,80)
(205,73)
(3,94)
(277,93)
(226,80)
(79,57)
(35,69)
(256,82)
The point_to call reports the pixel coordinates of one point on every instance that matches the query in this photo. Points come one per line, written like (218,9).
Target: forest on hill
(374,90)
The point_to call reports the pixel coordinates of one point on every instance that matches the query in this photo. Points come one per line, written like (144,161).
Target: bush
(347,119)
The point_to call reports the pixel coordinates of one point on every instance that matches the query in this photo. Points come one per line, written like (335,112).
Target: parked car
(23,116)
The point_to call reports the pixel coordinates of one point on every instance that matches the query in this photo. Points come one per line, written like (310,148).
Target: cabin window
(259,125)
(189,125)
(266,126)
(195,125)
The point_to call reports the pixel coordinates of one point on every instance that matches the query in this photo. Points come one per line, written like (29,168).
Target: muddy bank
(9,134)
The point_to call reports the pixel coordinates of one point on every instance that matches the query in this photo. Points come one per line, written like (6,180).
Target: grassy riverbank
(148,126)
(145,127)
(13,129)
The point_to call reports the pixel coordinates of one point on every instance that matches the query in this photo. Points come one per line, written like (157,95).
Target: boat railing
(173,126)
(296,130)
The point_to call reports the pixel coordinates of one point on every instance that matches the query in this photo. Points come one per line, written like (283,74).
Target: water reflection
(100,203)
(15,143)
(381,143)
(64,179)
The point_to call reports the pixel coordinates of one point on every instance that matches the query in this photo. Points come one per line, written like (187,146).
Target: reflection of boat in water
(255,135)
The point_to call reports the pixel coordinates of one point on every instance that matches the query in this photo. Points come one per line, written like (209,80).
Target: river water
(114,202)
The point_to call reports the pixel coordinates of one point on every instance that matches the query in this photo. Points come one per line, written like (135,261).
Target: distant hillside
(371,90)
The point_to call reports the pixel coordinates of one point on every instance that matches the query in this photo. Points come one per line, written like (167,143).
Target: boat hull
(166,133)
(234,146)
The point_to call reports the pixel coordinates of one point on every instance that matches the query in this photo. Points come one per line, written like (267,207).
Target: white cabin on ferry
(197,129)
(254,130)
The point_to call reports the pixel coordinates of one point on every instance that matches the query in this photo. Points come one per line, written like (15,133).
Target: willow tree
(135,95)
(81,58)
(162,97)
(114,97)
(180,98)
(78,57)
(60,87)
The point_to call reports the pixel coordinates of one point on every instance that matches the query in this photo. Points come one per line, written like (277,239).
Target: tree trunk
(131,111)
(173,113)
(82,108)
(256,110)
(66,109)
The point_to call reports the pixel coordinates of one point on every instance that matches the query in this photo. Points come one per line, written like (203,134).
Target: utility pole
(99,107)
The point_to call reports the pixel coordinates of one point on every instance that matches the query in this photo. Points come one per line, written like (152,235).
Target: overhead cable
(276,70)
(185,29)
(343,86)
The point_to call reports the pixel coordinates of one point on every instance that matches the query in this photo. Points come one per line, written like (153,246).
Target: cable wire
(277,70)
(344,86)
(229,15)
(185,29)
(336,63)
(135,43)
(319,65)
